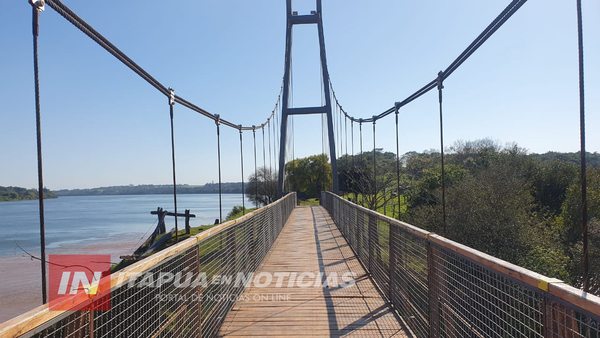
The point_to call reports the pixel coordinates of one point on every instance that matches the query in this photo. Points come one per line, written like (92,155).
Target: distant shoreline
(15,194)
(151,189)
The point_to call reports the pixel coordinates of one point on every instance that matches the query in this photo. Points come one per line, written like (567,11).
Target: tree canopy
(22,194)
(309,176)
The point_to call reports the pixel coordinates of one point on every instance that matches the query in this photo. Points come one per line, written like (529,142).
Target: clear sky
(102,125)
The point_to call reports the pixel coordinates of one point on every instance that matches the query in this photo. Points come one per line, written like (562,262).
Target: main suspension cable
(506,14)
(88,30)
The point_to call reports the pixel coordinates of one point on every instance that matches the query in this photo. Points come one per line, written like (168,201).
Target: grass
(391,210)
(310,201)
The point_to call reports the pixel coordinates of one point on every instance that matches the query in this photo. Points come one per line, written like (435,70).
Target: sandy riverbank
(20,289)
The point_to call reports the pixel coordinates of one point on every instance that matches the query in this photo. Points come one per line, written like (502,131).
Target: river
(88,219)
(107,225)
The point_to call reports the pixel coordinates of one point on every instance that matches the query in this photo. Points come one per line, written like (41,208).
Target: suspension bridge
(401,281)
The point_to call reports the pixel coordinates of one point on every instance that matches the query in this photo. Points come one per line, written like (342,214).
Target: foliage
(238,211)
(22,194)
(371,177)
(262,186)
(549,183)
(487,211)
(571,230)
(520,207)
(309,176)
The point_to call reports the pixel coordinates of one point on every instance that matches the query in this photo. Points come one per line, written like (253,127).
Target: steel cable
(38,124)
(242,165)
(584,214)
(171,108)
(506,14)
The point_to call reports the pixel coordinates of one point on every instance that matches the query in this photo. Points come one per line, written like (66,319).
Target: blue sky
(102,125)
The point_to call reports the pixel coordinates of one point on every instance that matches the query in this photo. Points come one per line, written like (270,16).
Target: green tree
(549,183)
(488,211)
(571,229)
(262,186)
(373,183)
(309,176)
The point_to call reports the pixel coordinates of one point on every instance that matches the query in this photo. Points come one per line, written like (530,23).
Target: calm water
(77,219)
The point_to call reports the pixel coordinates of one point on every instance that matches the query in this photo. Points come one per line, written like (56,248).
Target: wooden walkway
(310,243)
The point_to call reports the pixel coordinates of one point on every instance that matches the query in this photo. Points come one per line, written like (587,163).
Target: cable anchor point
(40,5)
(171,96)
(397,107)
(440,80)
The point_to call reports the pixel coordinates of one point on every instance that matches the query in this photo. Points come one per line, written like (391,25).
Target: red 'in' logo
(79,282)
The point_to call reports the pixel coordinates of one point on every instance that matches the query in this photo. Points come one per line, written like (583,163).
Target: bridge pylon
(314,18)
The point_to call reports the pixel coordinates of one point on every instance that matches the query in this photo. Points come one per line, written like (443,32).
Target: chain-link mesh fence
(443,289)
(183,291)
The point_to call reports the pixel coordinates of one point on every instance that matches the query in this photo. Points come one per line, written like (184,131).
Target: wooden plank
(311,243)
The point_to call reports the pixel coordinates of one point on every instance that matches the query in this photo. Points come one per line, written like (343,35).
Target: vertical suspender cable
(242,165)
(255,168)
(584,215)
(218,123)
(374,168)
(37,7)
(337,131)
(397,163)
(264,162)
(263,146)
(275,148)
(270,156)
(440,86)
(346,133)
(352,136)
(340,124)
(360,134)
(323,148)
(171,107)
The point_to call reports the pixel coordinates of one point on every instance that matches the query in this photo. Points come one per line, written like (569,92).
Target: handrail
(421,272)
(41,315)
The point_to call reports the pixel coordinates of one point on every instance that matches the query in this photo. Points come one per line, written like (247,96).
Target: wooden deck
(310,243)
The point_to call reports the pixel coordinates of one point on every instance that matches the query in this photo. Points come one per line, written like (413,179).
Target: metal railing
(441,288)
(145,303)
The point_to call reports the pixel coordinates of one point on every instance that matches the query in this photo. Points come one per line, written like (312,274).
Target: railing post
(392,266)
(360,219)
(231,245)
(546,317)
(91,319)
(199,270)
(187,221)
(371,229)
(433,303)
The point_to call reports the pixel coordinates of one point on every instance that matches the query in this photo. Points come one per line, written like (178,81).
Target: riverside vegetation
(22,194)
(520,207)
